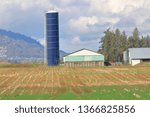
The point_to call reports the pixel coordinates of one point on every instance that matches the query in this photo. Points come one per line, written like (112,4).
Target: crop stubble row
(55,80)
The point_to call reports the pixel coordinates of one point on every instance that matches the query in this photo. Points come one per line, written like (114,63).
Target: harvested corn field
(40,82)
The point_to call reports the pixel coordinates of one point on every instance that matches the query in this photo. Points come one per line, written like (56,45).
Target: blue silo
(52,38)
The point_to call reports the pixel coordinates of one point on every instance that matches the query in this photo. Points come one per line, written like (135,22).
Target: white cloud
(67,2)
(24,16)
(128,13)
(83,24)
(77,43)
(108,19)
(83,18)
(76,40)
(14,10)
(116,6)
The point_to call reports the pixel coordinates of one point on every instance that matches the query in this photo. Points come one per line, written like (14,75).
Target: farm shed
(84,58)
(135,56)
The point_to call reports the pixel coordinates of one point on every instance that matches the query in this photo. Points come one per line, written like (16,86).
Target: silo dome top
(51,11)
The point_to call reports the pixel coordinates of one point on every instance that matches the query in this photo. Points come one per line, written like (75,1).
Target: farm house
(135,56)
(84,58)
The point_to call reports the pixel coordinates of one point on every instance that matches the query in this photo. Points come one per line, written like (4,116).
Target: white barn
(134,56)
(84,58)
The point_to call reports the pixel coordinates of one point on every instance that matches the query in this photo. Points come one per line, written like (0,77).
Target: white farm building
(84,58)
(135,56)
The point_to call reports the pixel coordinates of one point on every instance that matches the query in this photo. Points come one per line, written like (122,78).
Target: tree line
(114,43)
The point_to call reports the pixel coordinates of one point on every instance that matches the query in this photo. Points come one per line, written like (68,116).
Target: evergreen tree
(107,43)
(117,45)
(147,39)
(130,42)
(113,44)
(143,42)
(136,38)
(123,44)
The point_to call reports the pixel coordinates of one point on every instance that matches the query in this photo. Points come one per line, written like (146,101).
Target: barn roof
(84,52)
(139,53)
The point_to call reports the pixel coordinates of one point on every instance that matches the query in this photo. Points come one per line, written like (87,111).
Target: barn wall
(126,57)
(135,62)
(83,58)
(84,64)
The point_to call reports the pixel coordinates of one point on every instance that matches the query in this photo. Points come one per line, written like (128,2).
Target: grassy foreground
(100,93)
(27,82)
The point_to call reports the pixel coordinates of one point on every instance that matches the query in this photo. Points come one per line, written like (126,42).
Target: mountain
(18,36)
(62,54)
(17,47)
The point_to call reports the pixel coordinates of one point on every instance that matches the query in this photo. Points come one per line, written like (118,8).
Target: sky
(82,22)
